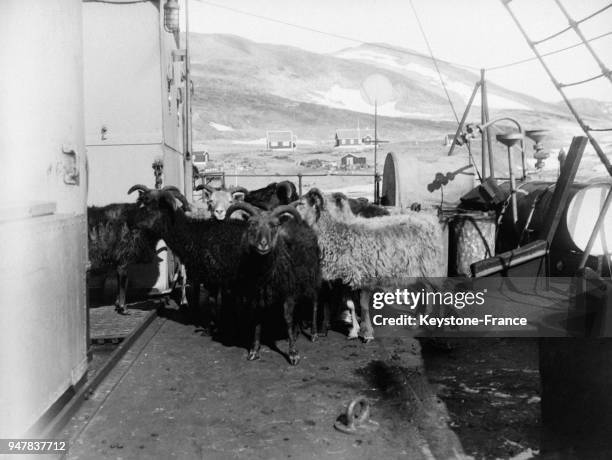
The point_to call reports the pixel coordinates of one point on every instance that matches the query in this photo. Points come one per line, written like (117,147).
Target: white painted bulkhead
(42,212)
(134,93)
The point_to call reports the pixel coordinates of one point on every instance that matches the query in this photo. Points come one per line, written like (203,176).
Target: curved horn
(171,188)
(317,195)
(238,189)
(139,187)
(179,196)
(295,203)
(206,187)
(287,209)
(248,208)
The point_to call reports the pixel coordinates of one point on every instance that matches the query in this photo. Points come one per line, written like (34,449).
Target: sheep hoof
(314,337)
(367,338)
(353,334)
(253,355)
(121,310)
(294,358)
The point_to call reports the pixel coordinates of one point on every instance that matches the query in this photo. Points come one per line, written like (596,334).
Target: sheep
(364,208)
(272,195)
(280,265)
(219,200)
(366,254)
(115,242)
(209,249)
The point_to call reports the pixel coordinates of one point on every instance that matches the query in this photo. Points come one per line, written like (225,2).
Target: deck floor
(179,394)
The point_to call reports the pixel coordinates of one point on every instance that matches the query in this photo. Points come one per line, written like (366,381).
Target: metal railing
(209,177)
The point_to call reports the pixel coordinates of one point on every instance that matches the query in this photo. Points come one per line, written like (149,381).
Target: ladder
(605,73)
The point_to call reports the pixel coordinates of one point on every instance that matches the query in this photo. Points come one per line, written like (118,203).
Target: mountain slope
(251,87)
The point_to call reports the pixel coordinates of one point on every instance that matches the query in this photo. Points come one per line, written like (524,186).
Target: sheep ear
(238,196)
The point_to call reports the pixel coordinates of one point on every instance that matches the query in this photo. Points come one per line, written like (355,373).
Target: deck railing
(208,177)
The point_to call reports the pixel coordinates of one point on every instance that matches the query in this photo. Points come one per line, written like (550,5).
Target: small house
(349,137)
(351,161)
(276,140)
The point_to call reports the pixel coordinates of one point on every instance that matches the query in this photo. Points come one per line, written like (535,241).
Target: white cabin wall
(126,58)
(43,257)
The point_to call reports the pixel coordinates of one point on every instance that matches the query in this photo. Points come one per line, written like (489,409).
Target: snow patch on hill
(219,126)
(351,99)
(431,76)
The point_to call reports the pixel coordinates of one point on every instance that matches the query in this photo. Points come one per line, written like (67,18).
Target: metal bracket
(71,165)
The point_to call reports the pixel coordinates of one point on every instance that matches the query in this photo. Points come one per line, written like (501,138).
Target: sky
(477,33)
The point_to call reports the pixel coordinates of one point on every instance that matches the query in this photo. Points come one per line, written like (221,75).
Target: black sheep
(209,249)
(272,195)
(364,208)
(115,241)
(280,265)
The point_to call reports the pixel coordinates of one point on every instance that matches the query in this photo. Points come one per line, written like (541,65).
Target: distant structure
(201,159)
(280,140)
(351,137)
(351,161)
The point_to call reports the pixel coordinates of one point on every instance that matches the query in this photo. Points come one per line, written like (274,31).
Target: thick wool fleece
(382,250)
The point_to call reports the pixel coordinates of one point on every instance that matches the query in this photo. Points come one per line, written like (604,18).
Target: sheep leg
(254,351)
(354,332)
(122,281)
(367,331)
(313,332)
(325,325)
(289,307)
(183,275)
(194,299)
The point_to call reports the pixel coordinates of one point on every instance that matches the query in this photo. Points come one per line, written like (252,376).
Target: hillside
(244,88)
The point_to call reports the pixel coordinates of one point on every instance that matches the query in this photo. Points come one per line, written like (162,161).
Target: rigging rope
(384,46)
(331,34)
(550,53)
(434,61)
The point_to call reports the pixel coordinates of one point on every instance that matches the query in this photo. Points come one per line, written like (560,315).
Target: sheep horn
(206,187)
(241,205)
(238,189)
(139,187)
(171,188)
(318,196)
(287,209)
(295,203)
(175,192)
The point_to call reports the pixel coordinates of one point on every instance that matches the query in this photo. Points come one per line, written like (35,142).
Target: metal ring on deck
(356,419)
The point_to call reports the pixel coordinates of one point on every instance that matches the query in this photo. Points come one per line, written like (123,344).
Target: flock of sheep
(271,248)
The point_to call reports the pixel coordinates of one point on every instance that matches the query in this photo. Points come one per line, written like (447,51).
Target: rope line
(331,34)
(573,24)
(396,49)
(435,62)
(550,53)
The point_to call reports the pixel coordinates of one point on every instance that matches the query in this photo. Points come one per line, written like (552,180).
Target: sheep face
(154,208)
(310,206)
(262,233)
(265,227)
(339,208)
(220,200)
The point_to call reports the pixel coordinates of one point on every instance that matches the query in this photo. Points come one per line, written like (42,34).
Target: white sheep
(373,254)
